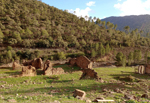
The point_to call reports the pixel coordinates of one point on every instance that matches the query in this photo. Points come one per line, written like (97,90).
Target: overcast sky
(102,8)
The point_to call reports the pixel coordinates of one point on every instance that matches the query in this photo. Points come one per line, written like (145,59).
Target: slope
(33,24)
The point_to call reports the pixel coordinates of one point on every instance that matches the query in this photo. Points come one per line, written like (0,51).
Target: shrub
(61,56)
(119,57)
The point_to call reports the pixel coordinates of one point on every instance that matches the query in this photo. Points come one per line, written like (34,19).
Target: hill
(141,22)
(26,24)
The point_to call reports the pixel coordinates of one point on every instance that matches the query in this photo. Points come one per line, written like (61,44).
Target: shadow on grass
(9,68)
(68,90)
(13,73)
(56,90)
(68,68)
(39,72)
(126,74)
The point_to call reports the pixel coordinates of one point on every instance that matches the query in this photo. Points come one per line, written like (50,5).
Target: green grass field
(46,89)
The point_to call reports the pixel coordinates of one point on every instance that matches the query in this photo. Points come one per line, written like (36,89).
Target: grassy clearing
(48,89)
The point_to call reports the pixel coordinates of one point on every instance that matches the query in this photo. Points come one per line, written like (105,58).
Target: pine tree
(102,50)
(107,49)
(119,58)
(130,58)
(93,53)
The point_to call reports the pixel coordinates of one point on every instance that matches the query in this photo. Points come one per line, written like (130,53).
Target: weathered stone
(129,97)
(57,71)
(117,90)
(37,63)
(99,98)
(16,66)
(79,93)
(82,62)
(47,65)
(49,70)
(89,73)
(88,101)
(144,96)
(141,69)
(28,71)
(104,90)
(72,61)
(147,69)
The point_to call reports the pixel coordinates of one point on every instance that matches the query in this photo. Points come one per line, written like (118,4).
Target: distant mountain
(141,22)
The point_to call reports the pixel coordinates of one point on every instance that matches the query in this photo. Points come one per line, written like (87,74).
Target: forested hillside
(33,24)
(141,22)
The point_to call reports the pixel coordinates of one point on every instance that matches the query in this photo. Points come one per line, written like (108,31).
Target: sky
(102,8)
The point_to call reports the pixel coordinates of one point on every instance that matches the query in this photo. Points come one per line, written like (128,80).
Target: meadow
(55,89)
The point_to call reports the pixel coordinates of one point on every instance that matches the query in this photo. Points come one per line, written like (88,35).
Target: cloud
(91,3)
(133,7)
(119,0)
(81,12)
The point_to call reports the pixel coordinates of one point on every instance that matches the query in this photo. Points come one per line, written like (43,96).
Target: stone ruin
(82,62)
(37,63)
(28,71)
(16,66)
(49,70)
(29,68)
(147,69)
(141,69)
(79,94)
(89,73)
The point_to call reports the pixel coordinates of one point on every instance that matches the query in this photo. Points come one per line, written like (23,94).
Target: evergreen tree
(137,55)
(93,53)
(124,61)
(119,58)
(107,49)
(130,58)
(102,50)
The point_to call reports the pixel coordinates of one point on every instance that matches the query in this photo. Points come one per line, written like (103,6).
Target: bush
(61,56)
(119,58)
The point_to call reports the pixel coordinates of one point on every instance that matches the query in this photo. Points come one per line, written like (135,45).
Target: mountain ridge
(141,22)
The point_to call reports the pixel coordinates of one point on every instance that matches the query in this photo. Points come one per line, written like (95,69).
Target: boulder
(79,94)
(16,66)
(49,70)
(141,69)
(28,71)
(83,62)
(37,63)
(53,71)
(98,98)
(47,64)
(57,71)
(129,97)
(144,96)
(72,61)
(147,69)
(89,73)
